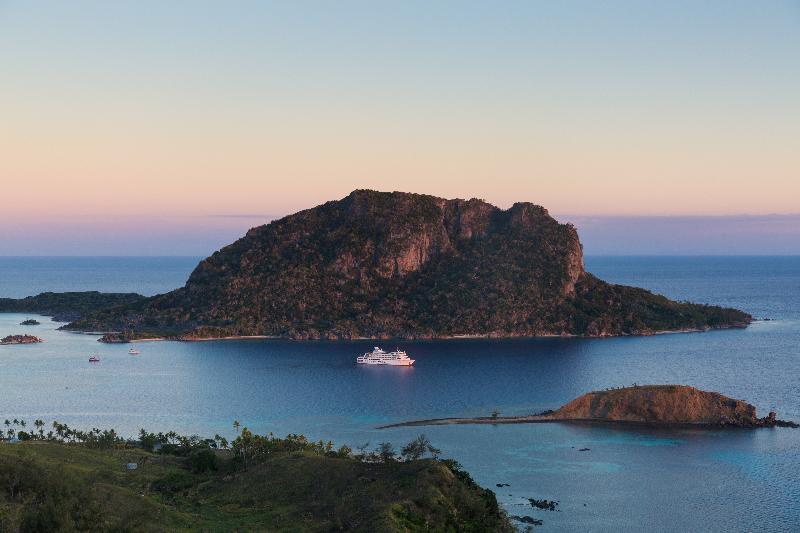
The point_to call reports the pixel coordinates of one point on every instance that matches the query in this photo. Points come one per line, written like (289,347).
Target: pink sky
(200,236)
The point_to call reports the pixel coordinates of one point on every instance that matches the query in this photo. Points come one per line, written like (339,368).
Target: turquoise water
(630,479)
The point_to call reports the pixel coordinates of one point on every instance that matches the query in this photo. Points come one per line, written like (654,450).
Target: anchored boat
(379,357)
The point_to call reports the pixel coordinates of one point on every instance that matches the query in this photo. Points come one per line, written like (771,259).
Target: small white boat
(379,357)
(134,351)
(94,359)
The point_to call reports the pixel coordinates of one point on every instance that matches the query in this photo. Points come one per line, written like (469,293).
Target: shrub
(175,481)
(202,460)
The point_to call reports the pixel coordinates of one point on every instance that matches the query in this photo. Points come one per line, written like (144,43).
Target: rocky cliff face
(661,404)
(405,265)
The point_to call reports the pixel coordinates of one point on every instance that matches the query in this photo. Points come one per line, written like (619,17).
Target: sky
(157,128)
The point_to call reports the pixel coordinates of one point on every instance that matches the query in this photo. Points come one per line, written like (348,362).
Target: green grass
(297,491)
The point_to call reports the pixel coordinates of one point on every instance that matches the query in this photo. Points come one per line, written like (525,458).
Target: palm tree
(236,425)
(7,422)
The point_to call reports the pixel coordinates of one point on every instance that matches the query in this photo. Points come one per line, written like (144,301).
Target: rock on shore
(20,339)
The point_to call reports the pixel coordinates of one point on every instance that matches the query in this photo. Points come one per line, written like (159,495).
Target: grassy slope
(289,492)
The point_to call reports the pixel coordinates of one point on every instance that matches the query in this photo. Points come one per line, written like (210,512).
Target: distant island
(399,265)
(29,322)
(653,405)
(67,306)
(20,339)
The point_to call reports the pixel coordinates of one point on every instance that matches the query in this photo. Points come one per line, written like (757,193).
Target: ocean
(629,480)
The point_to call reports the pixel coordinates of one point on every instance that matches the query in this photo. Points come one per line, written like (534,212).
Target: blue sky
(167,113)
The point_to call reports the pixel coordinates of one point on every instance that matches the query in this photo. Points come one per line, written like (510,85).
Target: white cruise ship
(379,357)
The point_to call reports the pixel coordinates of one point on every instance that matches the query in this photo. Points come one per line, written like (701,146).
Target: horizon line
(38,256)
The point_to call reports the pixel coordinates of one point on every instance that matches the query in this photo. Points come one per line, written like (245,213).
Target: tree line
(247,448)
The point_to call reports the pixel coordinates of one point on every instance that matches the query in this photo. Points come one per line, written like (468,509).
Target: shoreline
(227,338)
(455,337)
(179,339)
(546,419)
(452,421)
(409,339)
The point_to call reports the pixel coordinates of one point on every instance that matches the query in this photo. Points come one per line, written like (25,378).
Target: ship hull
(387,363)
(379,357)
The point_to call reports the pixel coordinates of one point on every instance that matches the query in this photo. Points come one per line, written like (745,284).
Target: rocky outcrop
(653,405)
(661,404)
(382,265)
(20,339)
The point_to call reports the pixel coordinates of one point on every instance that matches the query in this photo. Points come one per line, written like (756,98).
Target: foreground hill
(49,486)
(405,265)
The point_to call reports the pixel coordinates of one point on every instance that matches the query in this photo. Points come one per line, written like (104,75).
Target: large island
(399,265)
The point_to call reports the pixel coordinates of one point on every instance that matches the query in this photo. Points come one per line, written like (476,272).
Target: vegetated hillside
(665,404)
(405,265)
(66,306)
(47,486)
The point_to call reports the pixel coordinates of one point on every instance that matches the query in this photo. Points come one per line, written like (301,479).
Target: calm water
(26,276)
(663,480)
